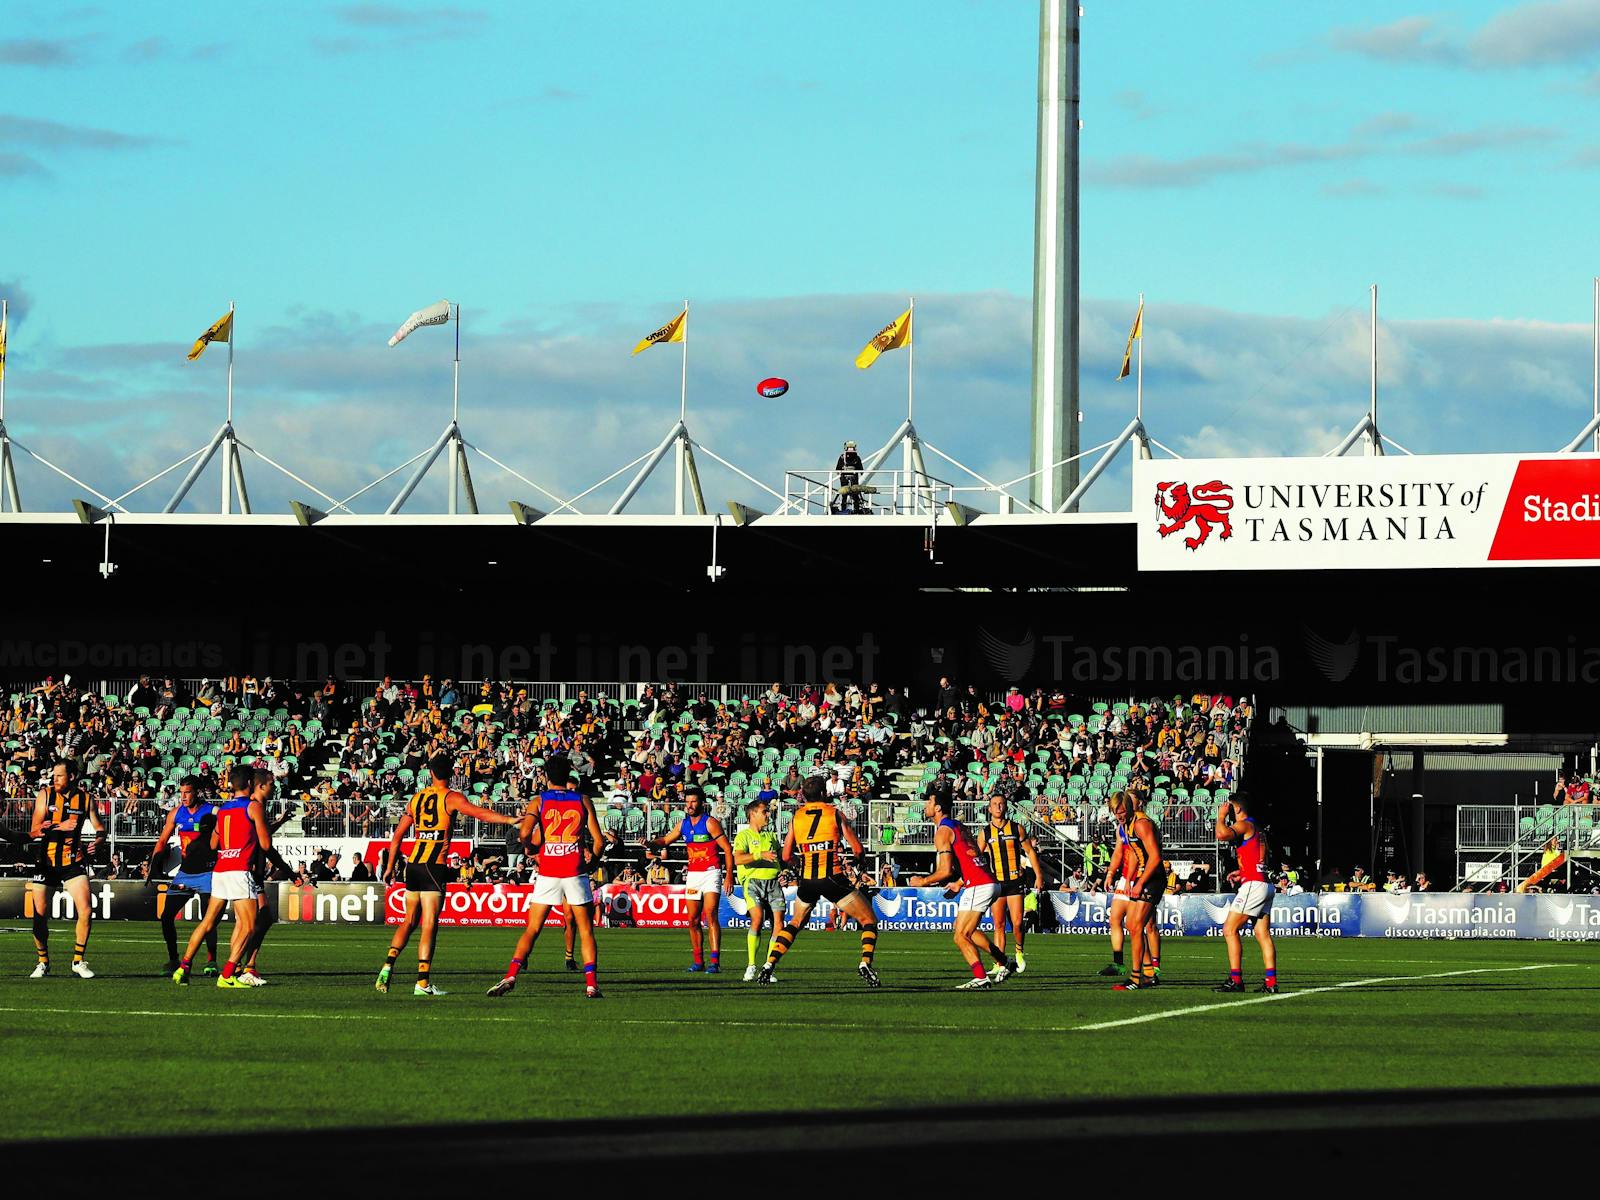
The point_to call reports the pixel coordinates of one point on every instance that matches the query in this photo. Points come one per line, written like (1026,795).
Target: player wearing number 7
(431,819)
(563,827)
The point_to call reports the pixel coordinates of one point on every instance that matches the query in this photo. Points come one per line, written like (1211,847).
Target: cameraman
(848,470)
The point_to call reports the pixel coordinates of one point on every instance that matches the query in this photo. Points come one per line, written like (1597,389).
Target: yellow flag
(1136,332)
(892,336)
(2,348)
(672,331)
(220,331)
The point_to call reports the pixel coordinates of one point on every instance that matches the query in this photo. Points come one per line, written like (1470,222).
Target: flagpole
(232,334)
(678,463)
(1374,446)
(1595,343)
(911,356)
(1138,403)
(455,383)
(5,311)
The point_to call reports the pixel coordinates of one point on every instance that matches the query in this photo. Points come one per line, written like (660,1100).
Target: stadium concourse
(348,757)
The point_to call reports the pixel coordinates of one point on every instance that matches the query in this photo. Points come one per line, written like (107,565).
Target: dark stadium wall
(1319,645)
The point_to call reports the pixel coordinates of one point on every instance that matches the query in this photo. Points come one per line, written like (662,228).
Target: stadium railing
(1509,842)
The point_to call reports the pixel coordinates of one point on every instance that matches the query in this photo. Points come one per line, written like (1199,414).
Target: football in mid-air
(772,388)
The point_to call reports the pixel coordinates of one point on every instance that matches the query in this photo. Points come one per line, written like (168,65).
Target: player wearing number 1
(563,827)
(431,820)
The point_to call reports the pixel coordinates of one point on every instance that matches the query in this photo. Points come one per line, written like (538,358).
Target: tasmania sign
(1271,514)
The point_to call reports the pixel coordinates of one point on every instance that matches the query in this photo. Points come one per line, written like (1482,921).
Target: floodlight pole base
(225,439)
(1136,434)
(452,441)
(10,498)
(1588,431)
(678,440)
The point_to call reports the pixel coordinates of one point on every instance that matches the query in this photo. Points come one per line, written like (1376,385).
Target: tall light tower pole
(1055,259)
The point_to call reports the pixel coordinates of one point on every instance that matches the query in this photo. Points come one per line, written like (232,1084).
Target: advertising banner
(297,850)
(1363,513)
(479,905)
(1431,915)
(1334,914)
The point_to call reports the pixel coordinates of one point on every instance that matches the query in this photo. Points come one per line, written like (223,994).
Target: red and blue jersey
(974,872)
(195,855)
(562,817)
(236,835)
(701,845)
(1252,849)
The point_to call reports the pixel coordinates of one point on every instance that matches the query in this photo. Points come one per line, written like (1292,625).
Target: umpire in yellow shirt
(755,856)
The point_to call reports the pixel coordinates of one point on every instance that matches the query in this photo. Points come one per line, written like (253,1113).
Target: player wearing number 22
(430,819)
(561,825)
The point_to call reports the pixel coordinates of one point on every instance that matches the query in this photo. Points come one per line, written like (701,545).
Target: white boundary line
(1353,983)
(545,1014)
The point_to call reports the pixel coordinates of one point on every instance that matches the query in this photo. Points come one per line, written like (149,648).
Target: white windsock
(434,314)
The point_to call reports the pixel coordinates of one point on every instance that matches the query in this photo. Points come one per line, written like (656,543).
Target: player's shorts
(427,877)
(563,889)
(1153,891)
(1013,888)
(54,877)
(768,893)
(1253,898)
(234,885)
(833,889)
(199,882)
(703,882)
(977,898)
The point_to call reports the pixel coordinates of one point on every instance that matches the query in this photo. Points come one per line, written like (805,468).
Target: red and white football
(772,388)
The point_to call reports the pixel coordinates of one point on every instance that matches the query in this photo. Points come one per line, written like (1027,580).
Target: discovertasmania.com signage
(1459,510)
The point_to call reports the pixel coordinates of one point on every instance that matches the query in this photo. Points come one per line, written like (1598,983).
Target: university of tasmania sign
(1298,514)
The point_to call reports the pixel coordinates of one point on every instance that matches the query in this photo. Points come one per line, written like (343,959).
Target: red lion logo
(1206,506)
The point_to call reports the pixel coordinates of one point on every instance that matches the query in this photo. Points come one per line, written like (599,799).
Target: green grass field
(320,1048)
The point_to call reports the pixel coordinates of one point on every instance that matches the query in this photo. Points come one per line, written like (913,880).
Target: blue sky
(570,172)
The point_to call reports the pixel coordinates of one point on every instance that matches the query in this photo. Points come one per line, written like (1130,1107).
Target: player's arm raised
(1226,830)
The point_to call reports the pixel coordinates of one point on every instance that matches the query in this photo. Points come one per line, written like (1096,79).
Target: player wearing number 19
(430,819)
(561,825)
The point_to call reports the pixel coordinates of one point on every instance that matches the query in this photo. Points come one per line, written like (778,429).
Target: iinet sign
(1283,514)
